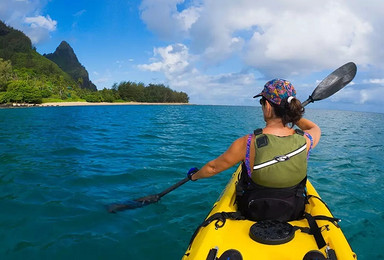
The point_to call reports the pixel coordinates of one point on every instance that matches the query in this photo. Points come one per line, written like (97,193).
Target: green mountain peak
(65,57)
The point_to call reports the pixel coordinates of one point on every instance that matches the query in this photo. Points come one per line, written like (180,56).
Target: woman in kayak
(272,184)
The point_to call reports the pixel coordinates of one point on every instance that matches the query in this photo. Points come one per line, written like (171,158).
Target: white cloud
(173,61)
(374,81)
(290,39)
(180,70)
(370,96)
(163,18)
(11,11)
(282,38)
(41,22)
(272,36)
(39,27)
(80,13)
(26,16)
(363,94)
(324,36)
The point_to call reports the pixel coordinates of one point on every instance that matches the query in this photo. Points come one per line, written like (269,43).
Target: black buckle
(281,158)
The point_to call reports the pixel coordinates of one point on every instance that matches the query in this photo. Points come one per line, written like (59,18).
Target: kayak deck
(235,234)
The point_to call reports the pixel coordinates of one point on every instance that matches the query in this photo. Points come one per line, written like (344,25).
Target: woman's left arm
(234,154)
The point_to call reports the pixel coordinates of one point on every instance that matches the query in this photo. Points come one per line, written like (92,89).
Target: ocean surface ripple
(60,166)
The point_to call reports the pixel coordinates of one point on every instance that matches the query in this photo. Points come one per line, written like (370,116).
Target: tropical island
(27,77)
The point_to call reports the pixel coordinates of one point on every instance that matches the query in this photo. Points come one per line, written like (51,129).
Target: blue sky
(220,52)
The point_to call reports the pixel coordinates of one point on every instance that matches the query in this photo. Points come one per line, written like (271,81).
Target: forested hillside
(29,77)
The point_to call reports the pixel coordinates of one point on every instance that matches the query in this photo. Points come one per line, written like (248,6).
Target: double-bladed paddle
(329,86)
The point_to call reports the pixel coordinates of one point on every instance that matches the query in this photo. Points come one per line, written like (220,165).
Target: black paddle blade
(133,204)
(333,82)
(113,208)
(143,201)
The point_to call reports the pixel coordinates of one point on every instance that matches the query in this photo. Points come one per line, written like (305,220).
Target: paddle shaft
(173,187)
(306,102)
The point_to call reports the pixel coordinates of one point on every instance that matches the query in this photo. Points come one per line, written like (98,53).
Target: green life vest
(280,162)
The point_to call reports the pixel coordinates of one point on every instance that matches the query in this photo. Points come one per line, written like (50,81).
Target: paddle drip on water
(113,208)
(143,201)
(133,204)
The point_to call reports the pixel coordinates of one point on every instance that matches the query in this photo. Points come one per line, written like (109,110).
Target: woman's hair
(290,113)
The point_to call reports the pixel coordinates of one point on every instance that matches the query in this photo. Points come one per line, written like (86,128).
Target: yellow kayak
(232,238)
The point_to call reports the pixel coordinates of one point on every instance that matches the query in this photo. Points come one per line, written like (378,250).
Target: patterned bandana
(276,90)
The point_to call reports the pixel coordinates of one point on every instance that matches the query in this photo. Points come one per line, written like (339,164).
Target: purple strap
(310,139)
(247,164)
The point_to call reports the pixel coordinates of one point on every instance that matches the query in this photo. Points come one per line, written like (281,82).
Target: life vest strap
(315,230)
(281,158)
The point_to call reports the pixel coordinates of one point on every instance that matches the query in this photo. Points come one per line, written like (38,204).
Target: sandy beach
(72,104)
(68,104)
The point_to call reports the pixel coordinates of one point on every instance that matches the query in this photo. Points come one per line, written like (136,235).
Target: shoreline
(83,103)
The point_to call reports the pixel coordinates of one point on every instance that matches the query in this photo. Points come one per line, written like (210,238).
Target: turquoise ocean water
(61,165)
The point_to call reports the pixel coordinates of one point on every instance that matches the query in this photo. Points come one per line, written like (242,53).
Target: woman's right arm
(310,128)
(234,154)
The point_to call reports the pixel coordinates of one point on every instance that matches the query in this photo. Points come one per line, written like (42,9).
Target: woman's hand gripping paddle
(329,86)
(333,83)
